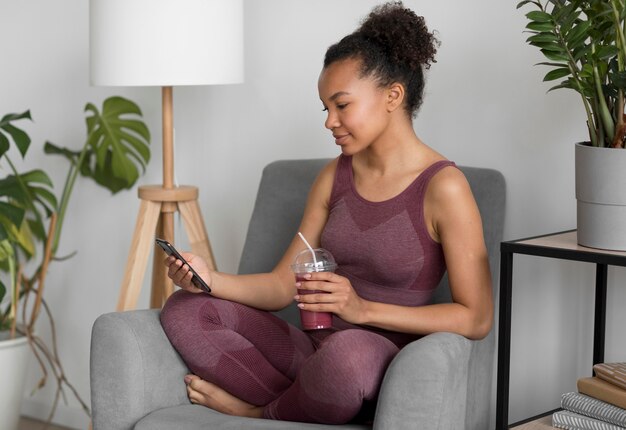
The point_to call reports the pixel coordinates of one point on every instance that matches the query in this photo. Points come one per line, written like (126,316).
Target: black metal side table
(563,246)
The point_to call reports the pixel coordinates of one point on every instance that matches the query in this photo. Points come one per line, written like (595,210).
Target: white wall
(485,106)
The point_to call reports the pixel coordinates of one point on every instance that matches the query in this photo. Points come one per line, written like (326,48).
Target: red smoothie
(313,320)
(309,261)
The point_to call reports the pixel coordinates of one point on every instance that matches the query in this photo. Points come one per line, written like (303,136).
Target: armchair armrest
(426,385)
(134,369)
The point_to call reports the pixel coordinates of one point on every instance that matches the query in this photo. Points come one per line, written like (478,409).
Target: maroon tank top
(384,248)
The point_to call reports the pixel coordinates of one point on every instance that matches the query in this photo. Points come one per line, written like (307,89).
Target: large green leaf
(554,56)
(74,158)
(543,37)
(30,187)
(607,52)
(119,141)
(556,74)
(581,52)
(21,139)
(539,16)
(540,26)
(552,47)
(106,175)
(578,34)
(6,250)
(52,149)
(29,192)
(5,224)
(8,118)
(586,72)
(522,3)
(11,217)
(25,239)
(567,14)
(551,64)
(22,236)
(4,144)
(12,213)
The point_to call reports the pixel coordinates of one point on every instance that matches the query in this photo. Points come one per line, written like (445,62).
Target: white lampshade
(166,42)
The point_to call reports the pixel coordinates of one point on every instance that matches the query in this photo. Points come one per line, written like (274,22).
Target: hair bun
(401,34)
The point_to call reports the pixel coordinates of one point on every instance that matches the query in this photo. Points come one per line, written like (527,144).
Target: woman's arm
(276,289)
(454,220)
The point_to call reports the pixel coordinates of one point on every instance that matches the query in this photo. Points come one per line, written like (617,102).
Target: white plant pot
(13,360)
(601,197)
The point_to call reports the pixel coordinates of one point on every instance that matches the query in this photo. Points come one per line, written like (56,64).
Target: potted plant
(31,222)
(585,44)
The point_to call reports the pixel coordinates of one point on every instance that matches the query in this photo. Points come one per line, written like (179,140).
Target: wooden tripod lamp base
(156,219)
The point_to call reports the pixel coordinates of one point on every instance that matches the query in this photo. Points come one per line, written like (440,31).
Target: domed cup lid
(305,262)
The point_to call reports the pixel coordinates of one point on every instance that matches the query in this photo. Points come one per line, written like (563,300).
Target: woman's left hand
(337,297)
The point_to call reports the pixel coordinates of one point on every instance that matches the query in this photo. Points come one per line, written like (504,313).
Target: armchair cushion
(427,384)
(134,369)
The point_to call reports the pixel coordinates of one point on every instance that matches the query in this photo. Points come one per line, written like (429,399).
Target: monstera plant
(114,155)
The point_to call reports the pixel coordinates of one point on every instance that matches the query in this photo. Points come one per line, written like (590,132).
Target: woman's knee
(359,356)
(361,346)
(181,311)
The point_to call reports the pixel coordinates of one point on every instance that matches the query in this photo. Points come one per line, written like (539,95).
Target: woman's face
(356,107)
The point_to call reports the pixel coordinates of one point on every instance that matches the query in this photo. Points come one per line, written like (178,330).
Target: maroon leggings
(325,376)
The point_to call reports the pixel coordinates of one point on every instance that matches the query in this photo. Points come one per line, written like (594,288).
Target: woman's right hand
(180,274)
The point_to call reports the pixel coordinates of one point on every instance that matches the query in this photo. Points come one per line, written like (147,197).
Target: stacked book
(599,404)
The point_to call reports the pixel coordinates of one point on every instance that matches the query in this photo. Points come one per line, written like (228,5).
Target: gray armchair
(441,381)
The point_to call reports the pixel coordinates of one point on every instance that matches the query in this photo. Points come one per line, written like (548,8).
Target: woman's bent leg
(251,354)
(333,383)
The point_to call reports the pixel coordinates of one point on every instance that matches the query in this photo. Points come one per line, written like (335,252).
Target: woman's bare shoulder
(449,182)
(326,176)
(331,167)
(447,198)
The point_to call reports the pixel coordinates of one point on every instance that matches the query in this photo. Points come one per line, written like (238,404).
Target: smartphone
(170,250)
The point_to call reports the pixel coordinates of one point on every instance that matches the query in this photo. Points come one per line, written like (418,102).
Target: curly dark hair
(393,45)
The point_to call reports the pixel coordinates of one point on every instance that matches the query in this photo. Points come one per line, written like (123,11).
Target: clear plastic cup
(305,263)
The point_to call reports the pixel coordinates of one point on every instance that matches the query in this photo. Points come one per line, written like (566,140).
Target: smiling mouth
(340,139)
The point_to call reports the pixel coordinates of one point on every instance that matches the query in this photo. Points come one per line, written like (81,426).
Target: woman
(395,214)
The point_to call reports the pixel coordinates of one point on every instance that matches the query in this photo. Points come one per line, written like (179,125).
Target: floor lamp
(164,43)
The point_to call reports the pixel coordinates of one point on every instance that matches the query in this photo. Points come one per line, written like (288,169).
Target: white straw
(310,248)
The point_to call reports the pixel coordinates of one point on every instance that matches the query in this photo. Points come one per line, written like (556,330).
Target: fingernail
(300,305)
(296,297)
(187,379)
(307,276)
(298,284)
